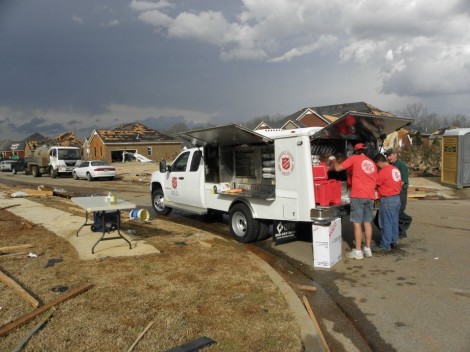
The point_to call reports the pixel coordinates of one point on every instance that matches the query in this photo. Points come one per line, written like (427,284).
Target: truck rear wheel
(35,171)
(158,203)
(242,225)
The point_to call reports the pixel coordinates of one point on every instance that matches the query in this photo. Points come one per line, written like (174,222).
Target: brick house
(321,116)
(112,145)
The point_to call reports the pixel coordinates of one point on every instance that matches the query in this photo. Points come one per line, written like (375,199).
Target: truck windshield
(69,154)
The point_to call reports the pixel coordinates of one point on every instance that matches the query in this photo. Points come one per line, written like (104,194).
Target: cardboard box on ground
(327,244)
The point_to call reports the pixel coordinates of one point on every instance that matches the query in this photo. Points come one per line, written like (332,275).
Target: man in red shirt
(388,186)
(363,181)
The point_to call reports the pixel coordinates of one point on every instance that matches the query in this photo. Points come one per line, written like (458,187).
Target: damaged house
(113,145)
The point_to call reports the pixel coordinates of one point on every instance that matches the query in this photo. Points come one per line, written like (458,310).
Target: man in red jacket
(363,181)
(388,186)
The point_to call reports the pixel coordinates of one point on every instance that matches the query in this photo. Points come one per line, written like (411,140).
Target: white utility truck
(266,178)
(54,161)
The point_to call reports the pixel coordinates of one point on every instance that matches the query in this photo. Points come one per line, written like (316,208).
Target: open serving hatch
(361,126)
(227,135)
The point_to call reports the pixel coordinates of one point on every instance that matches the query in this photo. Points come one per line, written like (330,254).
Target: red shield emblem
(286,163)
(174,182)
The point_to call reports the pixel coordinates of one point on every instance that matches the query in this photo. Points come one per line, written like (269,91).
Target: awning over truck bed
(223,136)
(361,126)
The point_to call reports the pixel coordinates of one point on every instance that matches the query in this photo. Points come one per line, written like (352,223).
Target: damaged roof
(330,113)
(68,139)
(133,133)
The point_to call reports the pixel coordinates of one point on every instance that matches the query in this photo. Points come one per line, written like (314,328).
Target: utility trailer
(266,178)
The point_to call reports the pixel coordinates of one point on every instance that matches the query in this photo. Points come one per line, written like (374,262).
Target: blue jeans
(388,220)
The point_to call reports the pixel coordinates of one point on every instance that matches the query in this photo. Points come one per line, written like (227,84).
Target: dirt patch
(200,285)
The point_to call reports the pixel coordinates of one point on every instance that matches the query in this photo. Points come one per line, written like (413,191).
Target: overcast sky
(79,65)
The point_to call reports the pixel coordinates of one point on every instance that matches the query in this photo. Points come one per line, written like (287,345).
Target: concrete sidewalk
(65,225)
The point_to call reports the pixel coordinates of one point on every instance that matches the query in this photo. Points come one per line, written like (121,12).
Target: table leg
(85,224)
(118,225)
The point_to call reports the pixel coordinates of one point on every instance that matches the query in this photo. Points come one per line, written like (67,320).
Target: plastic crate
(327,192)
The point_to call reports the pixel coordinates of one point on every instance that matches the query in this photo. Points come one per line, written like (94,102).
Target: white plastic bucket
(139,214)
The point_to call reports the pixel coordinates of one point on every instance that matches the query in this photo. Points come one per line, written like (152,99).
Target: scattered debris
(19,195)
(52,262)
(20,290)
(307,288)
(461,292)
(10,206)
(194,345)
(60,289)
(315,322)
(140,336)
(7,328)
(12,248)
(32,255)
(180,244)
(206,244)
(25,339)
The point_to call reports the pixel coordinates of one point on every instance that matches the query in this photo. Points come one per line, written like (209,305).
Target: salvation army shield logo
(285,163)
(174,182)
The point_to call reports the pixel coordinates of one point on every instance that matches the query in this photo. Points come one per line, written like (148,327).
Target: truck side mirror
(162,166)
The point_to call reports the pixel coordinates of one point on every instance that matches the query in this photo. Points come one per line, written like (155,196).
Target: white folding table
(101,205)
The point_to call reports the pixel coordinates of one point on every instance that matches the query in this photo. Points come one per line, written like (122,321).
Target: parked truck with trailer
(267,179)
(54,161)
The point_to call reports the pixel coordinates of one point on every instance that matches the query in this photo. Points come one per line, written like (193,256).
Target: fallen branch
(20,290)
(7,328)
(315,322)
(140,336)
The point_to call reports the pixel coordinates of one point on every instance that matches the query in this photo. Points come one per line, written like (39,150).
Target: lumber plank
(14,248)
(14,254)
(7,328)
(140,336)
(315,322)
(20,290)
(25,339)
(307,288)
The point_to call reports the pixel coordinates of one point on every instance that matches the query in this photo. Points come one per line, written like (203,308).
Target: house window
(101,152)
(95,151)
(149,150)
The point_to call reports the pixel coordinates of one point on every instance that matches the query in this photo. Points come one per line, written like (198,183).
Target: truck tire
(74,175)
(35,171)
(158,203)
(14,171)
(242,225)
(89,177)
(52,172)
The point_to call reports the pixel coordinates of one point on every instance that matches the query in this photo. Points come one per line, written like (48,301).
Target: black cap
(389,151)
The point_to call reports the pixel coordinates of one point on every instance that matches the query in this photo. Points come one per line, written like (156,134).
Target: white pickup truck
(263,178)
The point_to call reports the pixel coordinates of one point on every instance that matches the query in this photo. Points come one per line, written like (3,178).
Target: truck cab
(265,179)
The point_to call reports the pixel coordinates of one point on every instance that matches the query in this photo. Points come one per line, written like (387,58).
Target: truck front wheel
(52,172)
(158,203)
(242,225)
